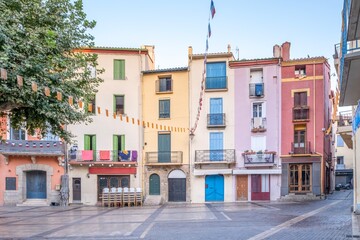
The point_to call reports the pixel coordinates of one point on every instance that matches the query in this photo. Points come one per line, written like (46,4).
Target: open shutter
(122,69)
(86,142)
(117,69)
(115,150)
(123,142)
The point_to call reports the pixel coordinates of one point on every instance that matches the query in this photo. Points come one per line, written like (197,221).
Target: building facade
(212,147)
(305,113)
(166,155)
(107,153)
(257,175)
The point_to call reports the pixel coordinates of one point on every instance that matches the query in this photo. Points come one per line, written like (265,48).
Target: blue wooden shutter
(216,111)
(164,147)
(216,146)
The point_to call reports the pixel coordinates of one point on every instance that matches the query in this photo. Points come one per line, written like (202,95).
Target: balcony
(350,54)
(301,148)
(113,157)
(164,85)
(258,124)
(216,120)
(301,113)
(260,158)
(164,158)
(256,90)
(216,83)
(340,166)
(344,127)
(215,156)
(32,148)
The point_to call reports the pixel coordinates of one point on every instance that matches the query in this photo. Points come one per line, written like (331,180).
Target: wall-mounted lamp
(192,135)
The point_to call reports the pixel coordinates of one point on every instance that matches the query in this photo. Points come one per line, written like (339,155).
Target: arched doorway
(154,184)
(214,188)
(177,186)
(36,184)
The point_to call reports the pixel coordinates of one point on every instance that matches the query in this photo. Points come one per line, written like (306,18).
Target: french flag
(212,9)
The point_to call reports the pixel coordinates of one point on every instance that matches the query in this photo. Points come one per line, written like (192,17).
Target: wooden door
(177,189)
(36,184)
(260,187)
(76,189)
(242,187)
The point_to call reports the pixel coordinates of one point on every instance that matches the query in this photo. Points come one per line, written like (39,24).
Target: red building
(305,112)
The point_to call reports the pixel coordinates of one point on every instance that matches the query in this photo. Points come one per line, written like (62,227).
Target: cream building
(212,147)
(108,151)
(166,139)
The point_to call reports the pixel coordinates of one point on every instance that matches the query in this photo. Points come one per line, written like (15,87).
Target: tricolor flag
(212,9)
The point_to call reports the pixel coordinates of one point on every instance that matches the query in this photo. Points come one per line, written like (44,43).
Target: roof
(113,50)
(175,69)
(309,60)
(212,55)
(252,62)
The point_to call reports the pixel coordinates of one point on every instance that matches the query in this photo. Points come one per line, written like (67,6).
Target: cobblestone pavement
(323,219)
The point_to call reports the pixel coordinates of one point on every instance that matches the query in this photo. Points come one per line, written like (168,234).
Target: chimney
(229,48)
(151,52)
(276,51)
(190,51)
(285,51)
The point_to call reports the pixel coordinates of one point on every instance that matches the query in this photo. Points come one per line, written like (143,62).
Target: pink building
(305,115)
(257,127)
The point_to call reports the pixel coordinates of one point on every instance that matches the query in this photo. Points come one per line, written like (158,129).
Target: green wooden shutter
(122,69)
(117,69)
(86,142)
(123,142)
(93,140)
(115,148)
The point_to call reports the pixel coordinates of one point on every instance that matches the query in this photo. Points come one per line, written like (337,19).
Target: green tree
(39,40)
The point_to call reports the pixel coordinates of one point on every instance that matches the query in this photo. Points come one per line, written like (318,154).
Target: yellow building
(166,142)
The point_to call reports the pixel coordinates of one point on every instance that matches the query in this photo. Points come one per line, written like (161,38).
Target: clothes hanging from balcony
(87,155)
(124,155)
(134,155)
(104,155)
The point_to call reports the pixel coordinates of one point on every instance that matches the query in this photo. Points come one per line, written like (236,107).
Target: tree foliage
(37,42)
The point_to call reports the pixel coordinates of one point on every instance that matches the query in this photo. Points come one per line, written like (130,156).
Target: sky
(312,26)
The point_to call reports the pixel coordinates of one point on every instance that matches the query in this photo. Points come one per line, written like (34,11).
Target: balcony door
(118,145)
(90,144)
(299,141)
(216,111)
(260,187)
(216,146)
(164,147)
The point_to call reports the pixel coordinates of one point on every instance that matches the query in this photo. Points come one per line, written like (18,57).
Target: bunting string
(90,107)
(202,84)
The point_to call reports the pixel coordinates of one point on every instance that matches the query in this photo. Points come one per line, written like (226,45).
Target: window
(300,99)
(300,71)
(339,141)
(299,141)
(216,76)
(164,84)
(50,137)
(92,70)
(257,110)
(119,69)
(216,116)
(91,108)
(216,146)
(164,108)
(340,160)
(119,104)
(17,134)
(300,177)
(90,142)
(10,183)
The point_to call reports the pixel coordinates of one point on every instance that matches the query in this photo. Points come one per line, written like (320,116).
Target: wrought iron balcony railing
(171,157)
(103,155)
(35,147)
(345,118)
(226,156)
(301,147)
(258,124)
(214,83)
(259,157)
(216,120)
(256,89)
(301,113)
(340,166)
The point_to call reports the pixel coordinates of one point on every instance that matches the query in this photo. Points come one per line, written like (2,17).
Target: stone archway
(177,186)
(21,173)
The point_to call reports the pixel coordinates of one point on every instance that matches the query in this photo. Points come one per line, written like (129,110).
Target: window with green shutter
(118,145)
(119,69)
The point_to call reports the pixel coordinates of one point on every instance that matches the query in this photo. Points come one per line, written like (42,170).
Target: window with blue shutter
(164,108)
(216,75)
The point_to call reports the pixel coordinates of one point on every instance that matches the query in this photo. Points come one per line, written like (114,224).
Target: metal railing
(227,155)
(216,83)
(216,120)
(164,157)
(345,118)
(258,124)
(301,148)
(256,89)
(32,146)
(164,85)
(259,157)
(301,113)
(340,166)
(103,155)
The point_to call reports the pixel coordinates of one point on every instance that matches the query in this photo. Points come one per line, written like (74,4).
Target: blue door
(36,184)
(164,147)
(216,146)
(216,111)
(214,188)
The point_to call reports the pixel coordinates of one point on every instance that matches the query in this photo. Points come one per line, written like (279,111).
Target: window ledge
(217,90)
(165,92)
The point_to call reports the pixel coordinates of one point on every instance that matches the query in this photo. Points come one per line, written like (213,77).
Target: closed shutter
(119,69)
(122,142)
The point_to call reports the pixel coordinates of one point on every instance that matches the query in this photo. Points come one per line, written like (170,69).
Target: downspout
(141,130)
